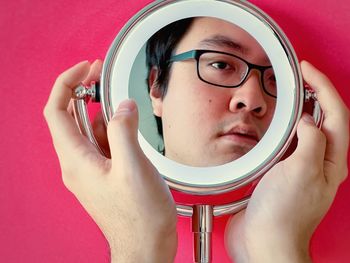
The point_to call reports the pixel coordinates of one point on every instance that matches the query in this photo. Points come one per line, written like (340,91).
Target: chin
(229,157)
(216,162)
(214,159)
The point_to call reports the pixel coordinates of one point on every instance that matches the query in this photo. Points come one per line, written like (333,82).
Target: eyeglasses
(227,70)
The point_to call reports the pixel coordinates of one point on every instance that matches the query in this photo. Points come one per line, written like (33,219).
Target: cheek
(191,102)
(186,92)
(271,107)
(271,104)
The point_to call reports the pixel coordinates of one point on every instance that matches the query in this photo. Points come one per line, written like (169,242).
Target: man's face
(206,125)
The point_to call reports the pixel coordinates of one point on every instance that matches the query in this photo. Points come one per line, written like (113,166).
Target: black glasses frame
(196,53)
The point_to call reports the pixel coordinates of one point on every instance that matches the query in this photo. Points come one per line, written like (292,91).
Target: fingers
(122,134)
(94,73)
(70,108)
(336,121)
(326,93)
(130,163)
(234,240)
(62,90)
(65,134)
(100,132)
(311,145)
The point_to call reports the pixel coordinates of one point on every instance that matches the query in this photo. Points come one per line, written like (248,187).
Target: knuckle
(67,182)
(60,78)
(49,114)
(118,121)
(68,178)
(47,111)
(344,174)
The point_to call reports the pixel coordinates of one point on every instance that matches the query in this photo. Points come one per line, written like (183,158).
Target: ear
(155,93)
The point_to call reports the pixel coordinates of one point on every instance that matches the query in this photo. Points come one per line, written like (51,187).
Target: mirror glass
(205,97)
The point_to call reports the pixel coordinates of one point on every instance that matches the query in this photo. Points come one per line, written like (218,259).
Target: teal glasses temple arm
(183,56)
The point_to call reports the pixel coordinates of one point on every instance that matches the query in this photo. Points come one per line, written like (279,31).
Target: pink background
(40,220)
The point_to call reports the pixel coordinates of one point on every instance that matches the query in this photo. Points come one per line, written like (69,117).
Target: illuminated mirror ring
(230,176)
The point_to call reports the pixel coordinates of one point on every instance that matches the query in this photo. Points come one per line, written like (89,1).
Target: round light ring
(123,52)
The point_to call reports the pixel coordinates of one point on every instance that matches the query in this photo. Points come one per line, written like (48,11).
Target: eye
(272,78)
(221,65)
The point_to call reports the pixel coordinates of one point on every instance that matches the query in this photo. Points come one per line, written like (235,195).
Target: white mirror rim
(123,52)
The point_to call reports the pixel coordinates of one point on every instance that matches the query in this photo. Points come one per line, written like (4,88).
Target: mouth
(242,134)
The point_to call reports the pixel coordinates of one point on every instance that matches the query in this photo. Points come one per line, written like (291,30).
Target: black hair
(160,47)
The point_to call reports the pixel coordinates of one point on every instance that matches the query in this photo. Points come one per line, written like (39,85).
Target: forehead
(217,34)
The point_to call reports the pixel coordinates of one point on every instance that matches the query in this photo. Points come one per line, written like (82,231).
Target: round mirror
(218,87)
(205,109)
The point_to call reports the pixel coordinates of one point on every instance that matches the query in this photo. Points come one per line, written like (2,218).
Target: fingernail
(308,118)
(125,107)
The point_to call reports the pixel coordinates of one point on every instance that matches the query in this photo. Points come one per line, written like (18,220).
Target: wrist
(264,243)
(274,246)
(150,249)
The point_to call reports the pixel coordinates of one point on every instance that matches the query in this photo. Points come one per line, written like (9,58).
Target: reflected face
(207,125)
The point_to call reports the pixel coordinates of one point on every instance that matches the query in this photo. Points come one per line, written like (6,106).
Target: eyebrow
(223,41)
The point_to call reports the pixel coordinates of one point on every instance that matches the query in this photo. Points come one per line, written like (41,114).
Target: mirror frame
(230,176)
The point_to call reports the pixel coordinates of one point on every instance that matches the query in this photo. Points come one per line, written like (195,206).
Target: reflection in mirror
(206,96)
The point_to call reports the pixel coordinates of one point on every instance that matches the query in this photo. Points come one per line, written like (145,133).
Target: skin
(129,201)
(209,111)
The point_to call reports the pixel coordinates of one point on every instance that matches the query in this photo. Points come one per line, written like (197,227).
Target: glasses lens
(270,82)
(221,69)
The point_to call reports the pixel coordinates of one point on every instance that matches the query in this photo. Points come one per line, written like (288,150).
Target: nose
(249,96)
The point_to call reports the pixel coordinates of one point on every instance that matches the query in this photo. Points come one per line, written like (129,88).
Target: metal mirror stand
(202,225)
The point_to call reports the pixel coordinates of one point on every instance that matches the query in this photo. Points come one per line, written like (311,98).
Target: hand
(292,198)
(125,195)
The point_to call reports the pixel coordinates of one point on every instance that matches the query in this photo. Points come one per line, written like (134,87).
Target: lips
(243,133)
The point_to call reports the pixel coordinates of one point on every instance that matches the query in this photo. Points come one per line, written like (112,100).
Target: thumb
(234,238)
(122,133)
(311,142)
